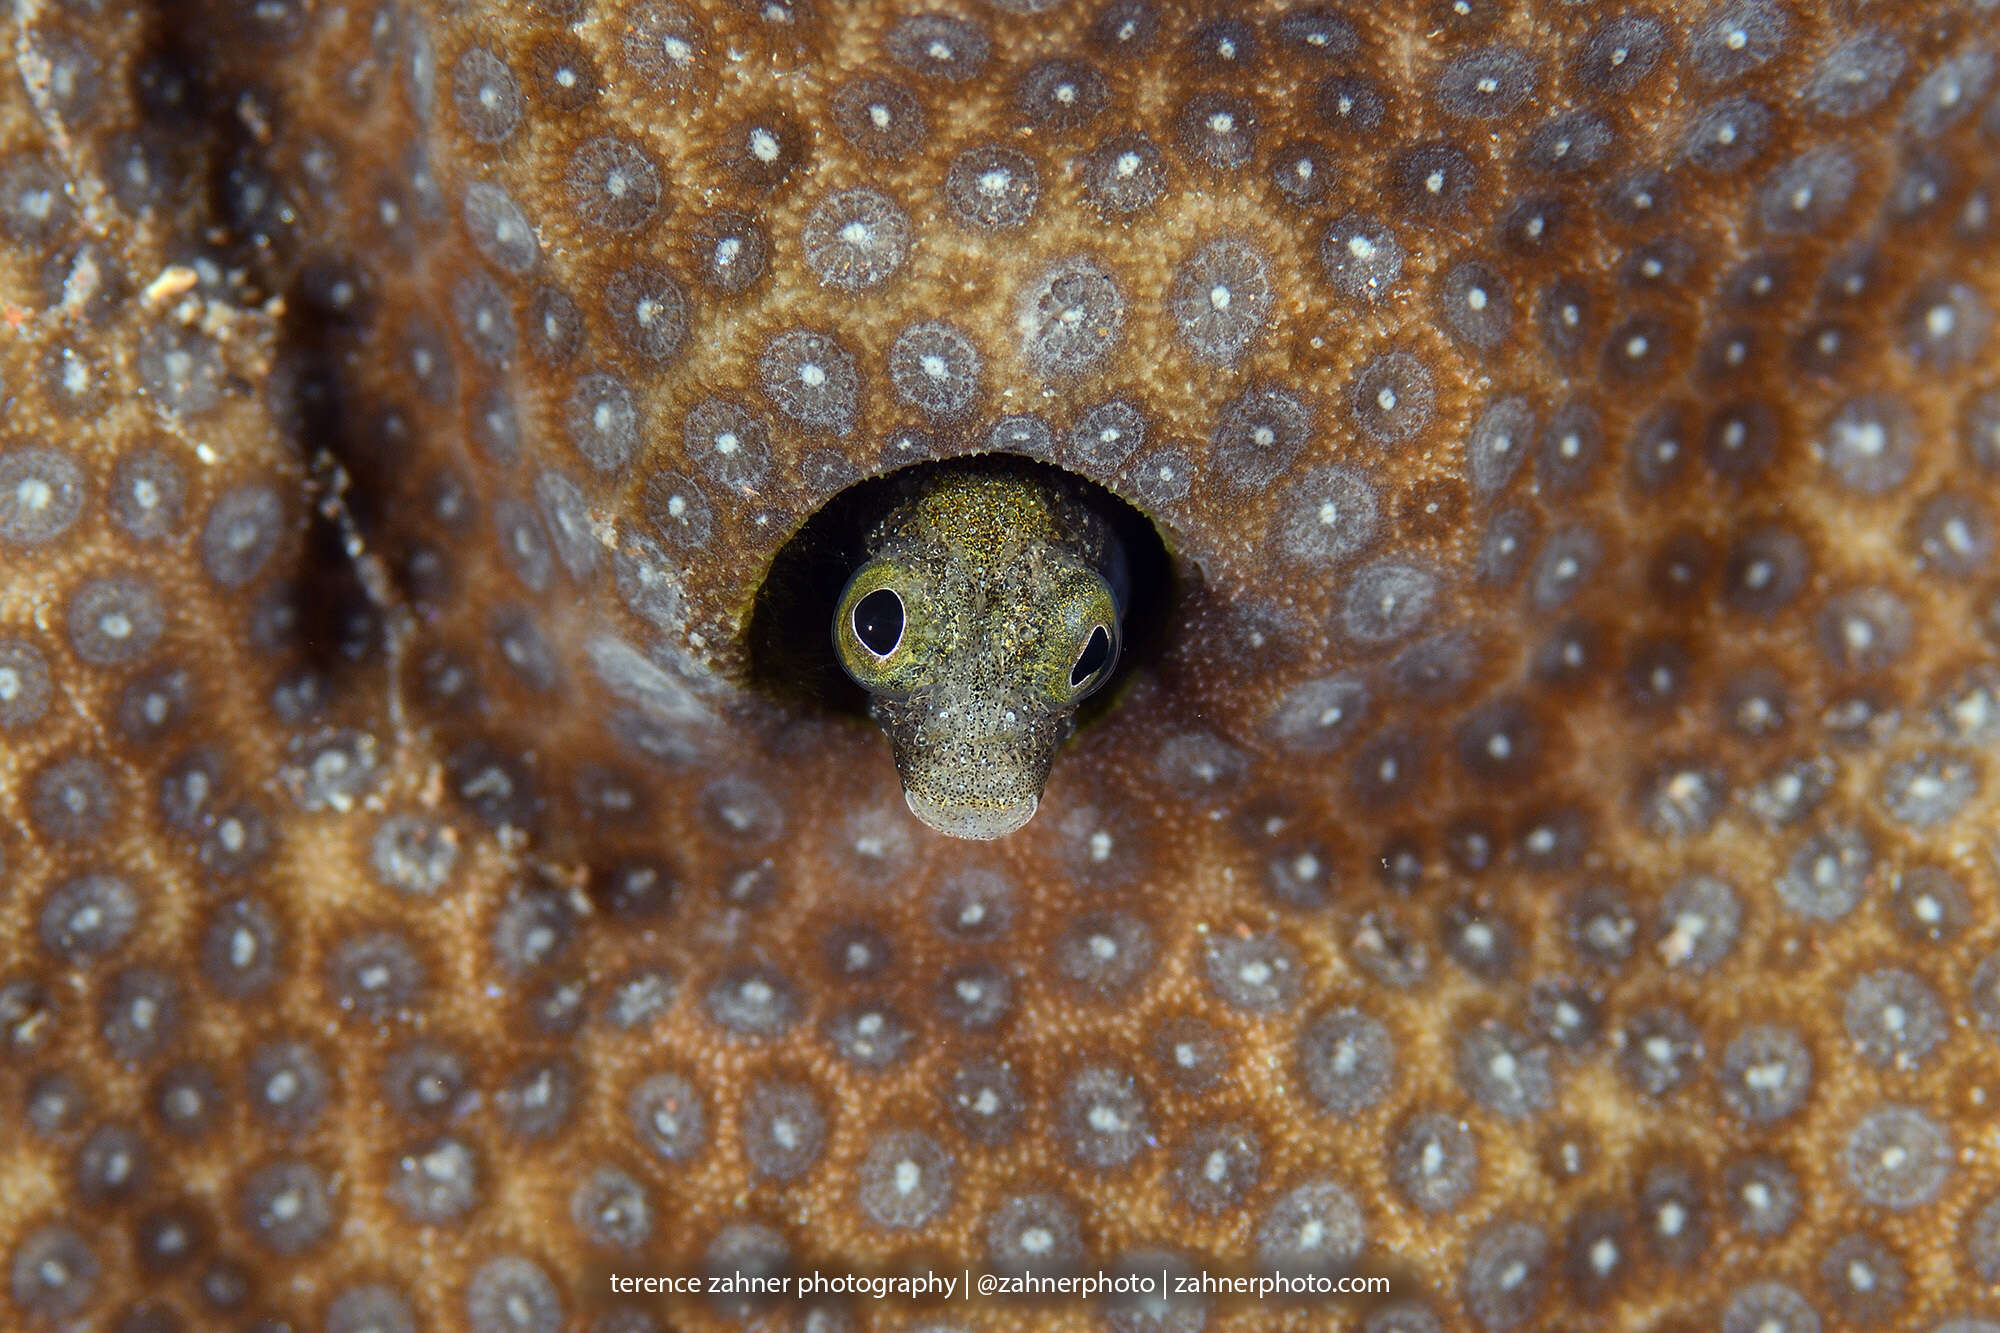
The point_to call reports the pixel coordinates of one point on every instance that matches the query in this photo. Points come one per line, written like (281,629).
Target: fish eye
(1094,658)
(879,621)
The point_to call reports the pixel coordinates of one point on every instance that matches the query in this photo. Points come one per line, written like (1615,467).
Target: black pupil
(1091,661)
(878,621)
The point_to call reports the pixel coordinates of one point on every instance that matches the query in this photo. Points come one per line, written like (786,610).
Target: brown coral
(1545,857)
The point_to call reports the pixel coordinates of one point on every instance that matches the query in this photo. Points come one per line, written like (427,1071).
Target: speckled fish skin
(997,553)
(1548,859)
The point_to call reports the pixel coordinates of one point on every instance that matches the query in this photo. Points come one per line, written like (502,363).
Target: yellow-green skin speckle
(1004,577)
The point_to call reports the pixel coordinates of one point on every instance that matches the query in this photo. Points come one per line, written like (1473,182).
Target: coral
(1543,856)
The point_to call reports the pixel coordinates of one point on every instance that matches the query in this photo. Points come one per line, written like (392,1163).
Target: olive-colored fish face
(973,755)
(975,656)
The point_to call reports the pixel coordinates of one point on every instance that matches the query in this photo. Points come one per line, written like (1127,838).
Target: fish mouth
(979,821)
(972,767)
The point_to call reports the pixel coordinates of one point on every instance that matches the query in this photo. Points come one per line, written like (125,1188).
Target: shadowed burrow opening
(791,624)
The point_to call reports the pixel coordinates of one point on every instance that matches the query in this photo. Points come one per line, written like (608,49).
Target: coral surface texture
(1543,849)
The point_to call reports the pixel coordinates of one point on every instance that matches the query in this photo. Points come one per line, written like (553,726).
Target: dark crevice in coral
(207,152)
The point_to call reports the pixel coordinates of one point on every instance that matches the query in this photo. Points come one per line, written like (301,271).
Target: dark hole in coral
(791,626)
